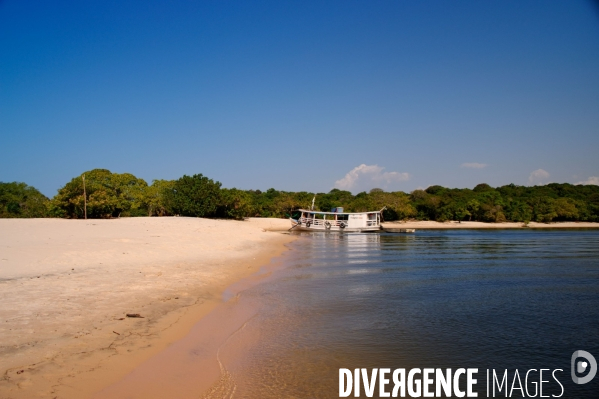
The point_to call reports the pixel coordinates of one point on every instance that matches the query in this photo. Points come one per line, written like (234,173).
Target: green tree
(565,208)
(361,203)
(397,204)
(427,205)
(284,204)
(194,195)
(236,204)
(154,198)
(544,209)
(18,200)
(333,199)
(108,195)
(472,207)
(131,194)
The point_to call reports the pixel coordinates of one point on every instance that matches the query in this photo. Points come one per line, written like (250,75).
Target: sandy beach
(68,285)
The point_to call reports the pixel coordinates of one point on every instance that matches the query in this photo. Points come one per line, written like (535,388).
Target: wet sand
(67,285)
(197,365)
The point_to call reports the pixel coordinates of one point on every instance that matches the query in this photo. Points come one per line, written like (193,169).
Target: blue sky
(301,95)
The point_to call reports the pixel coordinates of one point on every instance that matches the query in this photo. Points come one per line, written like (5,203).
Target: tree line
(110,195)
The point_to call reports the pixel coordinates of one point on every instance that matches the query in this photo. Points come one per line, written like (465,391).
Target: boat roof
(337,213)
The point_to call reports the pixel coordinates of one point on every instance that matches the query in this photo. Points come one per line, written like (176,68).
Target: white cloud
(594,180)
(366,177)
(474,165)
(539,177)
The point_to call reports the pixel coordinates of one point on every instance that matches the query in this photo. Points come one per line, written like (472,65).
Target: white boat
(340,221)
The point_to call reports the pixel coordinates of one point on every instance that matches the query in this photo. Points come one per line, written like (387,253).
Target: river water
(486,299)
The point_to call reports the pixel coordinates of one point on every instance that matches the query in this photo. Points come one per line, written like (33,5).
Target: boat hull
(346,230)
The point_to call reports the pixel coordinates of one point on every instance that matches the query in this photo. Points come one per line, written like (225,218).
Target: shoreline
(196,364)
(93,344)
(429,224)
(483,225)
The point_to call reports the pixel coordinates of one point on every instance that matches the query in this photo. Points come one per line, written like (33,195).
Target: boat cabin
(337,220)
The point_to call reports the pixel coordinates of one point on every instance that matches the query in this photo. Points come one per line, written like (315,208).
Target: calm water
(475,299)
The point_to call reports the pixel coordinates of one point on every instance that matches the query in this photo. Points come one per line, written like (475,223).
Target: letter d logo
(582,366)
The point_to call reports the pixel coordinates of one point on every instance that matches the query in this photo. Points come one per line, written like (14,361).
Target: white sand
(64,285)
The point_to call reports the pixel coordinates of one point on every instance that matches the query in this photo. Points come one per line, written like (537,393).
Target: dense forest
(109,195)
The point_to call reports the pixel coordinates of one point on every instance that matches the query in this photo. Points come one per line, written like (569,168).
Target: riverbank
(67,286)
(417,224)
